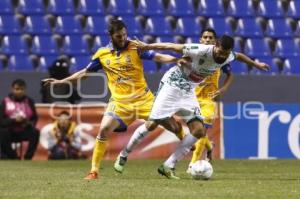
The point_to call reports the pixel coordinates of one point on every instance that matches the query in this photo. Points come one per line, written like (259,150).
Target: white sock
(181,150)
(135,139)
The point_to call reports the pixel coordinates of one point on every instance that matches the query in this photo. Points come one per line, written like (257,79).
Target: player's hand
(49,81)
(217,94)
(262,66)
(209,156)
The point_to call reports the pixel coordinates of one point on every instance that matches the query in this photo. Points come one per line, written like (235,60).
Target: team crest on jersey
(128,59)
(201,61)
(107,62)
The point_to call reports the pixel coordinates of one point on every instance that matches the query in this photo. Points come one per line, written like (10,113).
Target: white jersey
(202,65)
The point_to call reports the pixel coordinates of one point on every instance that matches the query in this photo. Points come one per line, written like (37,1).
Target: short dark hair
(116,25)
(209,30)
(19,82)
(226,42)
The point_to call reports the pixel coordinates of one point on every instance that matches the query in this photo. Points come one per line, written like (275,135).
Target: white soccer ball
(201,170)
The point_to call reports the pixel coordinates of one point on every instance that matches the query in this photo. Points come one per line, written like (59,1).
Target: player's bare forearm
(74,77)
(165,46)
(227,82)
(243,58)
(163,58)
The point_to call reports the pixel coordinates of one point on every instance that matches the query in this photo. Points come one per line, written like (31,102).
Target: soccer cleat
(168,172)
(92,176)
(120,163)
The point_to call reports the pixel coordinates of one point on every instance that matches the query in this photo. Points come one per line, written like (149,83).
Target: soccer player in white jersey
(177,91)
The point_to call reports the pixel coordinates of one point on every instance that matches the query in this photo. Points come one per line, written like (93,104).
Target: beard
(219,60)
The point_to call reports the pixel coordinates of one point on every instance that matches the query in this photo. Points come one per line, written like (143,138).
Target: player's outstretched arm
(71,78)
(164,58)
(159,46)
(227,82)
(260,65)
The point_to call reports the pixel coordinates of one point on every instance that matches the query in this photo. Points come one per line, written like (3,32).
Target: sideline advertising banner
(158,144)
(255,130)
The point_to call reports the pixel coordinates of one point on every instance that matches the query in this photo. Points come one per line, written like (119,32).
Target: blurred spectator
(64,141)
(60,70)
(17,122)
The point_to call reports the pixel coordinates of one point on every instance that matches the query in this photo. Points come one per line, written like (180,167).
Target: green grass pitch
(232,179)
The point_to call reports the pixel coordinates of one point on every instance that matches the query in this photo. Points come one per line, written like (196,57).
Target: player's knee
(151,125)
(197,129)
(104,132)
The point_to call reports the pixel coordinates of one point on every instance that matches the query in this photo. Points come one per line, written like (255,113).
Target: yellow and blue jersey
(130,97)
(124,70)
(205,93)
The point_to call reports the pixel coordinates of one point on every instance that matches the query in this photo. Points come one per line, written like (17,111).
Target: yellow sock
(200,145)
(98,153)
(209,145)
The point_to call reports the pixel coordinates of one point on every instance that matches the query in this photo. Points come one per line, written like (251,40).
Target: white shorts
(171,100)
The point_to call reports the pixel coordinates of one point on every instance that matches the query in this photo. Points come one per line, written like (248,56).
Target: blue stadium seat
(149,66)
(194,39)
(45,62)
(121,7)
(20,63)
(36,7)
(270,9)
(100,42)
(9,24)
(150,7)
(6,7)
(91,7)
(279,28)
(274,69)
(188,26)
(237,45)
(59,7)
(294,9)
(221,25)
(297,32)
(257,48)
(238,8)
(292,66)
(211,8)
(158,26)
(14,44)
(75,45)
(165,67)
(239,68)
(79,62)
(181,8)
(96,25)
(134,26)
(37,25)
(287,48)
(45,45)
(249,27)
(67,25)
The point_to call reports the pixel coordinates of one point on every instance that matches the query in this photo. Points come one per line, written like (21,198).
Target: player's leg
(191,114)
(208,108)
(162,108)
(197,131)
(135,139)
(108,125)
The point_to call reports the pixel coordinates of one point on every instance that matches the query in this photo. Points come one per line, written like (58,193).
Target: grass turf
(232,179)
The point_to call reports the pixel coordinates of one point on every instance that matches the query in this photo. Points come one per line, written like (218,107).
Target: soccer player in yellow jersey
(206,95)
(130,97)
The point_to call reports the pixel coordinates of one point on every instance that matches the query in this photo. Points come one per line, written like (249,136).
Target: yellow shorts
(127,112)
(208,109)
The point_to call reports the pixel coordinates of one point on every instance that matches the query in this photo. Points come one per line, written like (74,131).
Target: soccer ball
(201,170)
